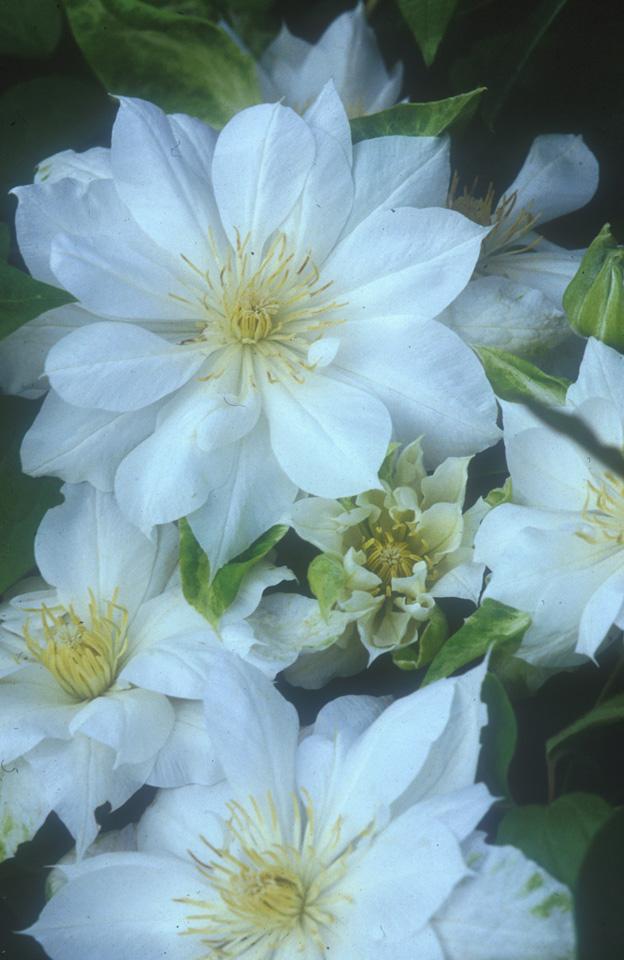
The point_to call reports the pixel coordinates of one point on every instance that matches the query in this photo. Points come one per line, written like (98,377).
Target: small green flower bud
(594,300)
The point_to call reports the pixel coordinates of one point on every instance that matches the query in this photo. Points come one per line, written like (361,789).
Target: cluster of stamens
(392,552)
(265,889)
(604,510)
(272,303)
(84,656)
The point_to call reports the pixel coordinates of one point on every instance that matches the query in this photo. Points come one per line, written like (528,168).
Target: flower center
(84,656)
(264,889)
(393,553)
(604,510)
(508,225)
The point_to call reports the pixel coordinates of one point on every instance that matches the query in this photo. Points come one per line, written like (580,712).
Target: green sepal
(499,495)
(327,579)
(423,650)
(594,298)
(184,63)
(556,836)
(212,597)
(519,381)
(493,624)
(417,119)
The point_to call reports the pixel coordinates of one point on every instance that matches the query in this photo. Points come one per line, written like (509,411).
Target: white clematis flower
(514,300)
(355,840)
(295,71)
(257,316)
(90,662)
(400,548)
(557,551)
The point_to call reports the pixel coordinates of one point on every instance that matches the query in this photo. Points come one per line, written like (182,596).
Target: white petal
(287,623)
(22,807)
(548,470)
(416,174)
(118,367)
(187,756)
(327,113)
(600,375)
(601,612)
(123,904)
(254,732)
(77,445)
(548,269)
(431,383)
(133,723)
(261,162)
(126,279)
(23,352)
(328,437)
(176,819)
(559,175)
(93,164)
(311,671)
(32,707)
(254,493)
(404,262)
(263,575)
(87,544)
(495,312)
(533,912)
(161,167)
(350,716)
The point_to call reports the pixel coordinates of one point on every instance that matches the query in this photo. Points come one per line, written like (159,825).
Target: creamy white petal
(600,375)
(22,807)
(118,367)
(261,162)
(261,576)
(548,269)
(133,723)
(548,470)
(328,114)
(76,444)
(32,707)
(187,755)
(559,175)
(176,819)
(601,612)
(93,164)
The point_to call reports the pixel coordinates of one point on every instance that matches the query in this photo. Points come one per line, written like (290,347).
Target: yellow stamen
(393,553)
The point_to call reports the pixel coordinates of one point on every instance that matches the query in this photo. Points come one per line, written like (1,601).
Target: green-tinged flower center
(84,656)
(273,304)
(265,889)
(509,225)
(604,510)
(393,552)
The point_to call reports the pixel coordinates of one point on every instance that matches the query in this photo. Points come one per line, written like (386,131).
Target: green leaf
(22,298)
(493,624)
(41,117)
(327,577)
(23,500)
(594,298)
(5,242)
(422,652)
(213,597)
(599,917)
(181,63)
(30,28)
(603,715)
(417,119)
(428,20)
(499,738)
(518,380)
(556,836)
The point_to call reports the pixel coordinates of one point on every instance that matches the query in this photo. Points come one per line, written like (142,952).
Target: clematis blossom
(294,71)
(99,662)
(355,839)
(557,550)
(514,300)
(255,315)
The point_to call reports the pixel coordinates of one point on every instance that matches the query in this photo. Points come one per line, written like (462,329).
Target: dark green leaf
(498,738)
(422,652)
(428,20)
(416,119)
(23,500)
(5,242)
(556,836)
(494,624)
(30,28)
(599,914)
(327,577)
(182,63)
(518,380)
(602,715)
(213,597)
(22,298)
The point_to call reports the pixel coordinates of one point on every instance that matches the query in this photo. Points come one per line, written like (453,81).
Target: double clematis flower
(353,838)
(98,667)
(255,315)
(514,300)
(557,551)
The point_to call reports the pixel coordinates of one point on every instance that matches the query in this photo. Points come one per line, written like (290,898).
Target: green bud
(594,299)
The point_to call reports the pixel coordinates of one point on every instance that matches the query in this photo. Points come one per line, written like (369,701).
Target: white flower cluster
(259,314)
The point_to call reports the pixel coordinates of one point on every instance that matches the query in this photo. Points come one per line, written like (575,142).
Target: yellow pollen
(84,656)
(604,510)
(389,554)
(251,317)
